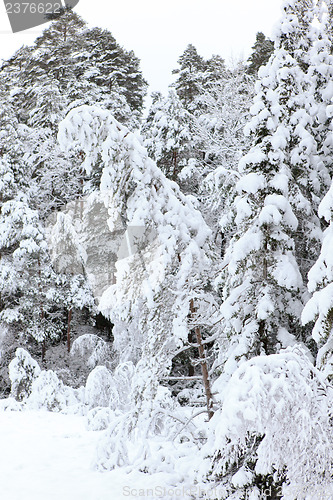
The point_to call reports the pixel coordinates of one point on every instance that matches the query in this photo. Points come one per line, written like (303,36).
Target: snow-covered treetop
(127,169)
(295,28)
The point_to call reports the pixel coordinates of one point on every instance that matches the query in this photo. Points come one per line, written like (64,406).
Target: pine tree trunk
(69,330)
(43,350)
(204,367)
(191,367)
(41,309)
(262,324)
(265,270)
(174,168)
(81,200)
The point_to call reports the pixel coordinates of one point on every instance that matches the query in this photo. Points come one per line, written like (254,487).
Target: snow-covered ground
(49,456)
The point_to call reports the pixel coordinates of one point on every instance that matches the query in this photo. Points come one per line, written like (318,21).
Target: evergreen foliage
(168,136)
(262,50)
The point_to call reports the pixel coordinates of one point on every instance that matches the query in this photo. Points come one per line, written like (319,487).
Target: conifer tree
(262,279)
(101,61)
(168,136)
(61,31)
(222,111)
(25,269)
(320,306)
(215,70)
(320,99)
(190,75)
(68,259)
(262,50)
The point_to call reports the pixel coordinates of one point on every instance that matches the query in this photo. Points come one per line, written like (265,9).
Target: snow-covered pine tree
(26,274)
(160,284)
(102,63)
(320,74)
(262,282)
(196,74)
(168,137)
(62,30)
(296,35)
(222,110)
(320,307)
(29,286)
(68,259)
(215,70)
(13,83)
(262,50)
(190,75)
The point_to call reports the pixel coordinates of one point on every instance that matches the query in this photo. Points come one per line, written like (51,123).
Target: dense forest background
(169,273)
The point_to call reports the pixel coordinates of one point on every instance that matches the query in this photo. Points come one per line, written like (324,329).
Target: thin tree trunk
(69,330)
(262,324)
(204,367)
(191,367)
(265,270)
(174,163)
(81,200)
(43,350)
(41,310)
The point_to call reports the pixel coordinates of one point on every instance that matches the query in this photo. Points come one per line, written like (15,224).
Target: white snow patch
(49,456)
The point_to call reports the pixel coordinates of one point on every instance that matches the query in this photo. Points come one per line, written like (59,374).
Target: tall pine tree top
(262,50)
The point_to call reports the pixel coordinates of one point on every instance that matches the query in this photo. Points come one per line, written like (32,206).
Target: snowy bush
(101,389)
(99,418)
(275,423)
(150,442)
(123,376)
(48,392)
(10,404)
(23,370)
(92,349)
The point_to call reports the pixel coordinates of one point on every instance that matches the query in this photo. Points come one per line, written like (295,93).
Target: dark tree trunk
(204,367)
(69,330)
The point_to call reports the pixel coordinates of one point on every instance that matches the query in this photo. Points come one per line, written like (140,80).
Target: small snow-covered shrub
(23,370)
(148,441)
(123,376)
(274,427)
(10,404)
(99,418)
(50,393)
(92,350)
(101,389)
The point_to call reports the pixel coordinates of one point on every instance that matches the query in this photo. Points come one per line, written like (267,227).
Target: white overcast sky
(159,30)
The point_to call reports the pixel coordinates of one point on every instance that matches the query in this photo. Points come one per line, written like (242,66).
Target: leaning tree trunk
(204,367)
